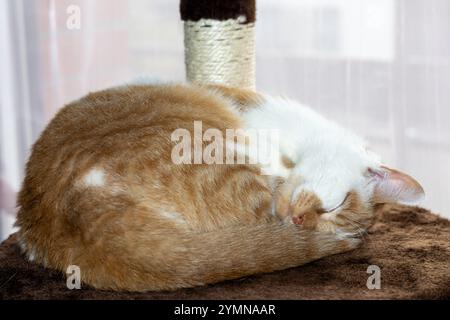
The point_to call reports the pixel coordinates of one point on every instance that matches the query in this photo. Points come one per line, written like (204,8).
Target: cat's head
(351,183)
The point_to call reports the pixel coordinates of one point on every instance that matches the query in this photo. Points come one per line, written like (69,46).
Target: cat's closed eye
(339,206)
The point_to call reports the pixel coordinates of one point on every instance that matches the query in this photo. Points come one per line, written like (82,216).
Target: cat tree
(219,38)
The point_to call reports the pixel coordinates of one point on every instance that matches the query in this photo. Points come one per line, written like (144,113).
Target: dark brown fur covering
(409,244)
(195,10)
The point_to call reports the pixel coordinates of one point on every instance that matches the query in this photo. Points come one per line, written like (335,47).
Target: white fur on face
(94,178)
(330,160)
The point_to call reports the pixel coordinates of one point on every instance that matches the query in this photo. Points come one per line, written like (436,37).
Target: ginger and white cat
(102,192)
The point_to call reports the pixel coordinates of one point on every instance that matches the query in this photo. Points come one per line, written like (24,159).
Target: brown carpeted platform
(409,244)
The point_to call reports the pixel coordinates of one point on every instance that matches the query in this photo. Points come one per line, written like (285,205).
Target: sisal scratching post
(219,41)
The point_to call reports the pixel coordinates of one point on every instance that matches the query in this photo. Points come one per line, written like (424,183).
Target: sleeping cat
(102,190)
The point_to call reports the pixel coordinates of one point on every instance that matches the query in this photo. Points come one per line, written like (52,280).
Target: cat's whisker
(362,232)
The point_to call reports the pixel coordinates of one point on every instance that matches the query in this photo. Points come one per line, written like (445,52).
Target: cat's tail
(186,259)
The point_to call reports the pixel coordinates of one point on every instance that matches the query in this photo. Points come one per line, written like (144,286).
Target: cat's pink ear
(395,186)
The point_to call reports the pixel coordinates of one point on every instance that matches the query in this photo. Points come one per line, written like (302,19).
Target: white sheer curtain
(381,67)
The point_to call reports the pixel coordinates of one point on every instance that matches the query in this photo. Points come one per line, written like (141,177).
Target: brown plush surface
(195,10)
(409,244)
